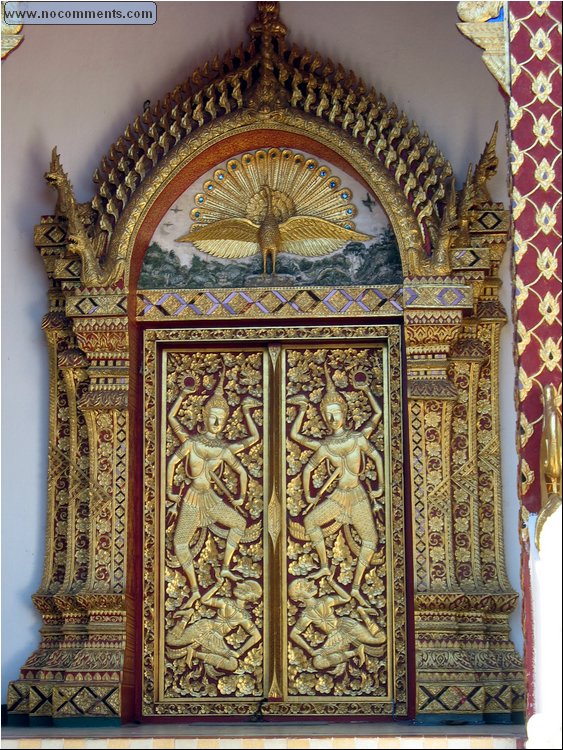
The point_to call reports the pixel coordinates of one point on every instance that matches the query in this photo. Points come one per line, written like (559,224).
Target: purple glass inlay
(226,301)
(413,295)
(360,298)
(442,296)
(350,302)
(327,301)
(148,304)
(183,304)
(397,299)
(215,301)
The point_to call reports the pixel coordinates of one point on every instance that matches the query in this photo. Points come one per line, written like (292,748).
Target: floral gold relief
(212,525)
(274,557)
(338,616)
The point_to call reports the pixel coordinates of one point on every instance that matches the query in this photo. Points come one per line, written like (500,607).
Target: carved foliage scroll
(211,525)
(302,596)
(338,615)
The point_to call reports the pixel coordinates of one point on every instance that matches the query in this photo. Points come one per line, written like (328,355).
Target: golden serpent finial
(486,169)
(550,460)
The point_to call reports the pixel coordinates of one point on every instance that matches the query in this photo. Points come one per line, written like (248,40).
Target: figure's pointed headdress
(331,396)
(218,399)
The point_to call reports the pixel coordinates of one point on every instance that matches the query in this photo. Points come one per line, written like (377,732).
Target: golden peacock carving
(272,201)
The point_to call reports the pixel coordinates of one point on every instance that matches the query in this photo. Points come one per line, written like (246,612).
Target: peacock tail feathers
(298,186)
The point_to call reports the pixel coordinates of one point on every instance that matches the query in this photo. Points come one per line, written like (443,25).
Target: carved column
(73,364)
(465,660)
(99,601)
(430,332)
(79,667)
(32,694)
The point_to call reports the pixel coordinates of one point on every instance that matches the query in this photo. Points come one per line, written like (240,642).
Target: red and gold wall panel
(535,123)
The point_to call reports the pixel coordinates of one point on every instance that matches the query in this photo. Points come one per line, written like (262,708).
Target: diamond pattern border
(535,124)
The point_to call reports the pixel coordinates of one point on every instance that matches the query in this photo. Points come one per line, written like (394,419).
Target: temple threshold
(266,735)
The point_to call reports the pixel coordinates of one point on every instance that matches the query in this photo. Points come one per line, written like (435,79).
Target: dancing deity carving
(204,456)
(343,451)
(206,638)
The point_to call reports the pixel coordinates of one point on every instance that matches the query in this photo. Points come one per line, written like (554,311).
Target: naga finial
(466,201)
(440,262)
(550,460)
(56,165)
(486,168)
(441,256)
(58,178)
(268,94)
(81,238)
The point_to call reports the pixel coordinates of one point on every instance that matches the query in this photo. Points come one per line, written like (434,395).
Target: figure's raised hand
(250,403)
(299,400)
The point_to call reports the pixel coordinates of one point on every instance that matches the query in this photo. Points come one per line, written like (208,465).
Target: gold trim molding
(11,36)
(479,26)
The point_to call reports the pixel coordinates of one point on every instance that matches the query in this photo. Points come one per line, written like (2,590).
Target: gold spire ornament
(270,202)
(550,460)
(268,95)
(486,169)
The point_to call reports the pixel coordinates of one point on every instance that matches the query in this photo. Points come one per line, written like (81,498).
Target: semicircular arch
(242,131)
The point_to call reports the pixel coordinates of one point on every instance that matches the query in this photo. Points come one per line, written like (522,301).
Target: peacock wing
(227,238)
(310,235)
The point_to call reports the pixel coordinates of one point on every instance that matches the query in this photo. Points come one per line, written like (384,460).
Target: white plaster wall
(78,87)
(544,726)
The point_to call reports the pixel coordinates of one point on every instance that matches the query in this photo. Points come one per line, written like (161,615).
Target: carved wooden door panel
(273,518)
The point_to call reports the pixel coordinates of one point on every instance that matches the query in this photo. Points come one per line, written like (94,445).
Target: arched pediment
(235,134)
(266,86)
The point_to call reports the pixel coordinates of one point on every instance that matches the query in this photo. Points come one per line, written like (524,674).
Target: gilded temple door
(274,572)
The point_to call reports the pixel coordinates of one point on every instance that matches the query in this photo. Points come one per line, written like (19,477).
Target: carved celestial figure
(347,503)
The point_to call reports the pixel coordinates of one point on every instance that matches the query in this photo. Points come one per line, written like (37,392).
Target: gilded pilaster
(73,364)
(468,357)
(58,333)
(429,336)
(465,660)
(105,342)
